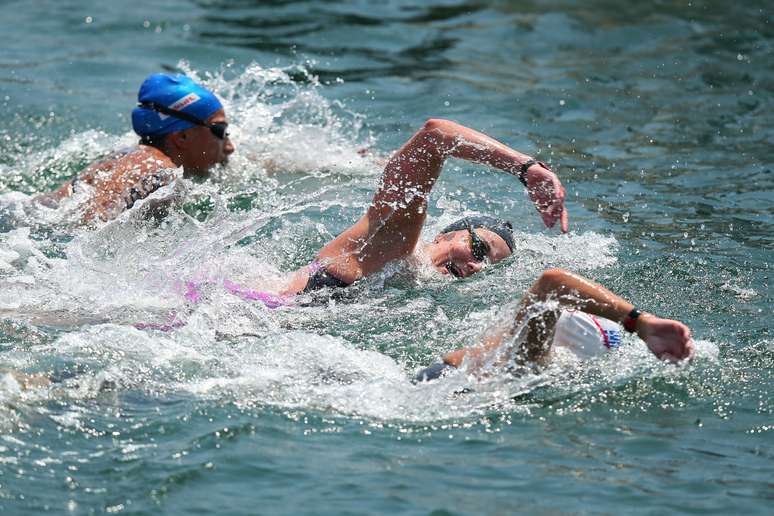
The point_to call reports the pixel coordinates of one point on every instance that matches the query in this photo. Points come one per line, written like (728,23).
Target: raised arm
(666,338)
(391,227)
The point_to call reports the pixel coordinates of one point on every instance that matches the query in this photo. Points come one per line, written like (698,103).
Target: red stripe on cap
(604,335)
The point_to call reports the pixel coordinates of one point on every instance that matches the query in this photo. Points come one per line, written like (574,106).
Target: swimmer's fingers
(557,208)
(679,355)
(146,186)
(668,357)
(685,348)
(690,347)
(547,192)
(153,182)
(667,339)
(565,222)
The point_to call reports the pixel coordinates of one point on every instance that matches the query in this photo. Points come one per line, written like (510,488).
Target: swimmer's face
(200,149)
(455,252)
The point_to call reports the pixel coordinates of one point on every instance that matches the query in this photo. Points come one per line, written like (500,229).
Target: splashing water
(75,295)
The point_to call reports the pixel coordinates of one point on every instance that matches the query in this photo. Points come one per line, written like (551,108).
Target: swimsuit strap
(248,294)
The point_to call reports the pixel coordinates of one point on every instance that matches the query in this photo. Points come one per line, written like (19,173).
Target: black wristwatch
(525,166)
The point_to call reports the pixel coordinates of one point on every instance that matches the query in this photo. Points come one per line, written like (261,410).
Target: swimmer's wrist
(524,168)
(634,320)
(630,321)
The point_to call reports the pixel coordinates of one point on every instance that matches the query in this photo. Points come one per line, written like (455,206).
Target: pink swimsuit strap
(267,298)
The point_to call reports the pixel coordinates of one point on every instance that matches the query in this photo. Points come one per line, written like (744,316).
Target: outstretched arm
(666,338)
(390,229)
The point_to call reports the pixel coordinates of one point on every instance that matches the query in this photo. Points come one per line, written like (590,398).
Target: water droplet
(561,102)
(446,103)
(739,57)
(146,23)
(89,19)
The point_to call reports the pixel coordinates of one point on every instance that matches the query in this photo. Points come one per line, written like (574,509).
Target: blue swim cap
(177,92)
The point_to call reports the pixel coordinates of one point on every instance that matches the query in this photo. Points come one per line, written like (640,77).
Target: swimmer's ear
(176,138)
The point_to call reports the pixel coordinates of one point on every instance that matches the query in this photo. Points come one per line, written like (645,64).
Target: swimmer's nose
(474,267)
(228,147)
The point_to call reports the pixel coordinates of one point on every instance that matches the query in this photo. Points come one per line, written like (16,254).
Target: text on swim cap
(182,103)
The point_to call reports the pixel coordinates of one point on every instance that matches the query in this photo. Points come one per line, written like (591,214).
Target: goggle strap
(172,112)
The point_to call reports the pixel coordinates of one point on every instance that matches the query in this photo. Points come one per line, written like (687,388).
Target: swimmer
(581,319)
(180,124)
(390,228)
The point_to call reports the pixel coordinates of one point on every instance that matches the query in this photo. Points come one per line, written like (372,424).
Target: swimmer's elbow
(550,282)
(437,125)
(439,135)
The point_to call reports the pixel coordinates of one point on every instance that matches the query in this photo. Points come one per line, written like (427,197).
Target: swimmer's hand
(547,192)
(667,339)
(146,186)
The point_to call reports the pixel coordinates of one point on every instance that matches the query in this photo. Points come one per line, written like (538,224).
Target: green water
(657,119)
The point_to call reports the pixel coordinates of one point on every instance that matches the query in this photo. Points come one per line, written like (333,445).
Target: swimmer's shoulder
(134,162)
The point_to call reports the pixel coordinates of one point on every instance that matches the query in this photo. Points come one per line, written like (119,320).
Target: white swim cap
(586,335)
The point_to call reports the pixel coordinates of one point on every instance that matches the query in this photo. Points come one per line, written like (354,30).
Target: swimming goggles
(219,129)
(479,249)
(478,246)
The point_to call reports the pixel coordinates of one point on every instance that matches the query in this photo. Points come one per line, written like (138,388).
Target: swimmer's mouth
(453,270)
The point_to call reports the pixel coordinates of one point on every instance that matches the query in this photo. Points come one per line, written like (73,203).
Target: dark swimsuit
(433,372)
(321,278)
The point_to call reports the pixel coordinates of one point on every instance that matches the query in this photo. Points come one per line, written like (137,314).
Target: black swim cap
(500,227)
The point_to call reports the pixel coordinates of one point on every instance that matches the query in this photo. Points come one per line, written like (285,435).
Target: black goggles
(478,246)
(479,249)
(219,129)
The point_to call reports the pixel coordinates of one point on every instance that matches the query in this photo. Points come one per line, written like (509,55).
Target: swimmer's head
(463,247)
(184,119)
(174,91)
(585,335)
